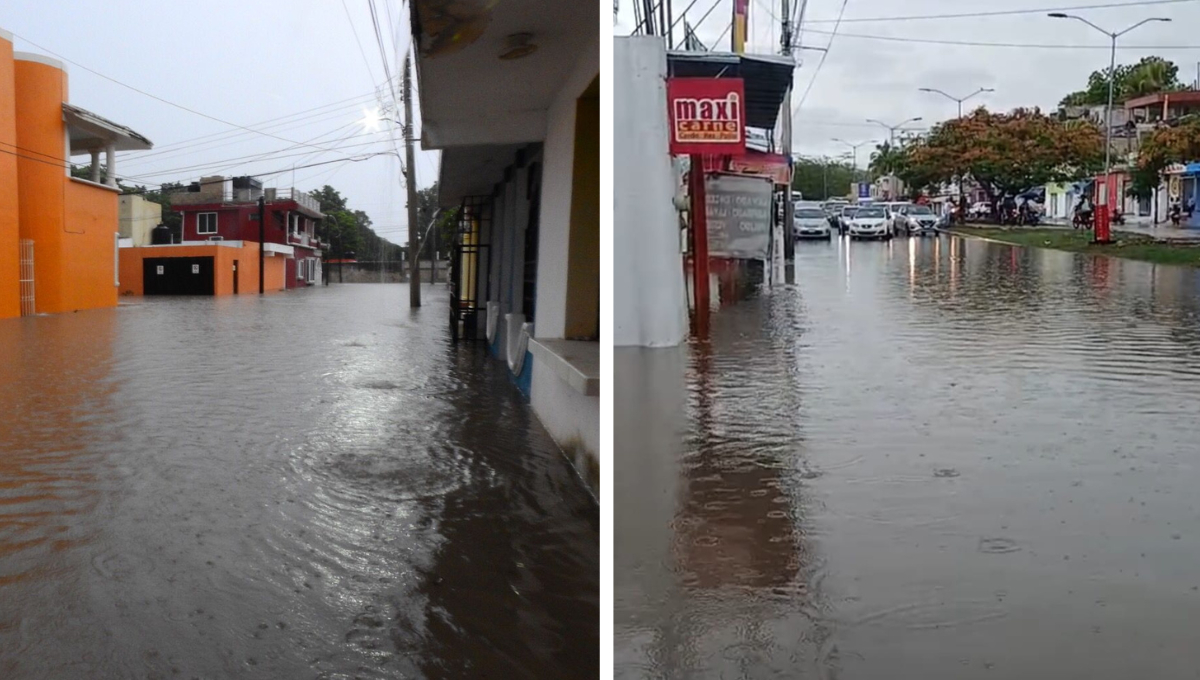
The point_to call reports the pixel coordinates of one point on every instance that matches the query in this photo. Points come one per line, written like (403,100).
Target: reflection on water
(311,485)
(930,458)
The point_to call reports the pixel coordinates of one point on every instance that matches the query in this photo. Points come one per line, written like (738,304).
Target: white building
(510,93)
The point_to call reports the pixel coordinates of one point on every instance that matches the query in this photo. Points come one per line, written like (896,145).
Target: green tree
(447,222)
(821,178)
(1151,74)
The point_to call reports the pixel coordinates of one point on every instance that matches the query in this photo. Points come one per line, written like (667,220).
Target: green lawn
(1132,246)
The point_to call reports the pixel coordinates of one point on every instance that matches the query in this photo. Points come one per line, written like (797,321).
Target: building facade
(510,95)
(58,233)
(226,209)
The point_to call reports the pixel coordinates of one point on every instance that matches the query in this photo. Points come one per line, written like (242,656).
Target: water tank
(160,235)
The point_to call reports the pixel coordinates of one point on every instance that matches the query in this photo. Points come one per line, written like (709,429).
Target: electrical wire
(153,96)
(1002,12)
(382,50)
(824,56)
(972,43)
(363,52)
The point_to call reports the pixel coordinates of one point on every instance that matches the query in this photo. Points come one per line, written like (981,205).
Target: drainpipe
(110,161)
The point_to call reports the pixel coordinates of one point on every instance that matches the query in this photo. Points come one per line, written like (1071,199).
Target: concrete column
(110,161)
(649,303)
(95,177)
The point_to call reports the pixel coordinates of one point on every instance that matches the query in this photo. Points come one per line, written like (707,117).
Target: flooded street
(317,484)
(930,458)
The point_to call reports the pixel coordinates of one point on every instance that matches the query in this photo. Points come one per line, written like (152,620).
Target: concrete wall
(10,294)
(571,418)
(223,262)
(649,303)
(138,218)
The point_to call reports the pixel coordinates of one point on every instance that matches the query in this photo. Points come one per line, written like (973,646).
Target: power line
(153,96)
(824,56)
(382,50)
(995,13)
(363,52)
(973,43)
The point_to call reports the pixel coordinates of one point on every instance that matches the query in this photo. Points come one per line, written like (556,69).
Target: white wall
(568,415)
(649,303)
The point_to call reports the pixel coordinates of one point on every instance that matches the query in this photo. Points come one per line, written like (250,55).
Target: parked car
(979,210)
(919,220)
(810,222)
(895,216)
(844,216)
(870,221)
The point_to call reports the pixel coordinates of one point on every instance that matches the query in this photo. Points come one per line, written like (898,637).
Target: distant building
(137,219)
(58,233)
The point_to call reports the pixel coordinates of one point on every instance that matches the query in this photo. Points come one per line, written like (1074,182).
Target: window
(206,223)
(299,269)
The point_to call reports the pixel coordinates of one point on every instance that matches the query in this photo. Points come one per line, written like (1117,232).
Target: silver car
(919,220)
(810,222)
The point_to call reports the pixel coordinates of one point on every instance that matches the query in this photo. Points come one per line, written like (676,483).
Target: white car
(810,222)
(919,220)
(870,221)
(895,216)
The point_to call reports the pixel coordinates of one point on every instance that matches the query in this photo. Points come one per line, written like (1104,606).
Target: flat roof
(88,129)
(1182,97)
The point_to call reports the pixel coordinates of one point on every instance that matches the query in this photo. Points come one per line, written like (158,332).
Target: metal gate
(469,266)
(26,277)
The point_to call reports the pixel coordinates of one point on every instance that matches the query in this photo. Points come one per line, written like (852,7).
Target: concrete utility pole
(1112,74)
(262,222)
(414,245)
(960,100)
(789,210)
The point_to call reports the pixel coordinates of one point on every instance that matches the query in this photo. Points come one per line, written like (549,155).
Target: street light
(891,143)
(1112,68)
(854,148)
(960,100)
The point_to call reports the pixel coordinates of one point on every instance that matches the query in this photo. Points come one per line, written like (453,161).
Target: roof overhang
(468,94)
(767,78)
(473,171)
(89,131)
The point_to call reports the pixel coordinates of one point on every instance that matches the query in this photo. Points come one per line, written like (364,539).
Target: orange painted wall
(89,245)
(10,300)
(41,186)
(223,257)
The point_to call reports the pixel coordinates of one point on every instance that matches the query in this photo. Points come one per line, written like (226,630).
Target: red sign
(707,115)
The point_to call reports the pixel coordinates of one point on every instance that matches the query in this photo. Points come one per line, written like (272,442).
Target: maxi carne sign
(707,115)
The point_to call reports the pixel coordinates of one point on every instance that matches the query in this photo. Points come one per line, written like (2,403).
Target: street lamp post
(1112,72)
(959,100)
(892,143)
(854,152)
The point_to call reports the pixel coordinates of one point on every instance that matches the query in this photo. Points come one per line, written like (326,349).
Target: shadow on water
(316,484)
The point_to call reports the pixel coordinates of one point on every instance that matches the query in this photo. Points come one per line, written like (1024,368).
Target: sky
(242,62)
(864,78)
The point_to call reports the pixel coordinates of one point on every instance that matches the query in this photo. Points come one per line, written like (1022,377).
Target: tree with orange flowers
(1179,143)
(1007,153)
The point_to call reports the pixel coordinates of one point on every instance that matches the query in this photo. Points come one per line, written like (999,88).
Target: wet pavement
(317,484)
(932,458)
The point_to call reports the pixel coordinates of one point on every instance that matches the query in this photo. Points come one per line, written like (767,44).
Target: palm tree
(886,158)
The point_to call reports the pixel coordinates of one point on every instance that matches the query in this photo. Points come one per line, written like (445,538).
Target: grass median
(1127,245)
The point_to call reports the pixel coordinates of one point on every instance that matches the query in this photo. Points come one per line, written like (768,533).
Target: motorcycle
(1082,219)
(1176,215)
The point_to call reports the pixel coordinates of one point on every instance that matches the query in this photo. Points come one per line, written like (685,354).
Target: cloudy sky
(242,62)
(876,63)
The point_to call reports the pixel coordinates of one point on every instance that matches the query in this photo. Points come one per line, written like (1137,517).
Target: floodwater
(930,459)
(315,484)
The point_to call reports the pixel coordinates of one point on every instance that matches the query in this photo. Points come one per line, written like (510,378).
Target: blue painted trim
(524,381)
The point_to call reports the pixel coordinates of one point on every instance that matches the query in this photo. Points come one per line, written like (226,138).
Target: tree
(1008,153)
(447,222)
(1151,74)
(811,176)
(1164,146)
(887,158)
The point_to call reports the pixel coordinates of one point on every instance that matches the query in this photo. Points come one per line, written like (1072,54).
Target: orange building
(58,234)
(199,268)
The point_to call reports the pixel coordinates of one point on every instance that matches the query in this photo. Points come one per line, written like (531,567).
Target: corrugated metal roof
(766,77)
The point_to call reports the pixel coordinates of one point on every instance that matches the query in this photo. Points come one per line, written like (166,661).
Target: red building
(226,209)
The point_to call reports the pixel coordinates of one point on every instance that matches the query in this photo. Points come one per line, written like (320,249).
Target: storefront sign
(770,165)
(707,115)
(1174,187)
(739,216)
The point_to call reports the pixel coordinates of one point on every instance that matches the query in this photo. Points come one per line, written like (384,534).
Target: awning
(752,162)
(89,131)
(766,77)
